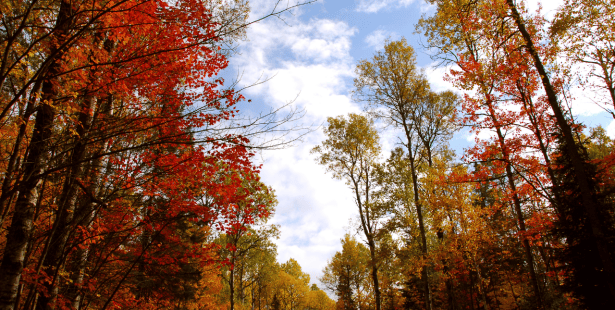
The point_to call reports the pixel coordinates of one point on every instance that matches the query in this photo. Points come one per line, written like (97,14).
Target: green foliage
(351,151)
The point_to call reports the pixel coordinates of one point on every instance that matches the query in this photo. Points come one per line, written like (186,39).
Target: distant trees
(263,283)
(347,272)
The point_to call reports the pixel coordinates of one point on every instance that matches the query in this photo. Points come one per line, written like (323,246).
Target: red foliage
(157,179)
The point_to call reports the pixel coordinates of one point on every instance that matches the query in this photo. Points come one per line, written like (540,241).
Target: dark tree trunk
(20,232)
(419,213)
(372,253)
(231,287)
(367,231)
(13,164)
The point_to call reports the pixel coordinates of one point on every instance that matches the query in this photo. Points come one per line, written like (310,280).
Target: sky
(308,58)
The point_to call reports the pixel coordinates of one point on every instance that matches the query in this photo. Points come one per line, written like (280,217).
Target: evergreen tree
(275,303)
(587,278)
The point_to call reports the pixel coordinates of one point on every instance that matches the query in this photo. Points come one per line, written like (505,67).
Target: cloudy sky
(309,57)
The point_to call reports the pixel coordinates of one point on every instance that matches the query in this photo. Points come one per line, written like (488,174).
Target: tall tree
(350,153)
(119,164)
(459,28)
(591,205)
(391,80)
(241,241)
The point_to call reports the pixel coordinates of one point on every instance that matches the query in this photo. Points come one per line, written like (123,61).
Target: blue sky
(309,57)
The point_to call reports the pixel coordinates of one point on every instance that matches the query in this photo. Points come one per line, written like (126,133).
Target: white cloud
(319,44)
(610,130)
(309,61)
(592,97)
(436,77)
(548,7)
(586,101)
(373,6)
(313,208)
(376,39)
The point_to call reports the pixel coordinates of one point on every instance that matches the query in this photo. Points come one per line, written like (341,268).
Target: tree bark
(20,232)
(419,213)
(85,214)
(56,248)
(607,77)
(369,234)
(231,287)
(13,163)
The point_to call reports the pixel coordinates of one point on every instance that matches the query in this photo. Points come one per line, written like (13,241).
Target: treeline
(250,277)
(127,173)
(525,219)
(255,280)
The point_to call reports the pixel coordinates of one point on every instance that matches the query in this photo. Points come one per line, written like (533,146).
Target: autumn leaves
(113,183)
(123,187)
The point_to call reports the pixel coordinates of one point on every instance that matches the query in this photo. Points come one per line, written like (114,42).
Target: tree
(346,273)
(263,273)
(241,242)
(317,299)
(350,152)
(466,32)
(584,30)
(275,305)
(591,204)
(391,80)
(292,286)
(585,269)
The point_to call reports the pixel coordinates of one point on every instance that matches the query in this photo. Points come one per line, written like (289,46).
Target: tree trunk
(607,77)
(529,107)
(20,231)
(230,283)
(366,224)
(13,163)
(481,289)
(419,213)
(372,253)
(56,251)
(452,302)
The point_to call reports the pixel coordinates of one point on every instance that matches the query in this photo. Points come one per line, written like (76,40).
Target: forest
(130,177)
